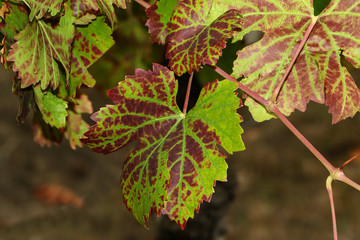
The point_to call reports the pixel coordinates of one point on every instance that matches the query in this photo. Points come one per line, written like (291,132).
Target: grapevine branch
(336,173)
(143,3)
(329,181)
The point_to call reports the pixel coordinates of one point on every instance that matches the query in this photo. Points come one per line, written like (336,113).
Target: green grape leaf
(90,43)
(85,19)
(177,161)
(52,108)
(318,74)
(40,49)
(108,8)
(75,124)
(14,19)
(40,7)
(196,31)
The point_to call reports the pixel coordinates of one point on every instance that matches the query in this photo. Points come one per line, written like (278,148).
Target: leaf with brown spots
(196,33)
(14,19)
(177,161)
(52,108)
(75,124)
(43,51)
(40,7)
(318,74)
(90,44)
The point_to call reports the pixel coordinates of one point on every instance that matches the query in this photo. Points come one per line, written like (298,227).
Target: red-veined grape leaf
(52,108)
(177,161)
(40,7)
(159,15)
(196,32)
(90,43)
(41,49)
(317,74)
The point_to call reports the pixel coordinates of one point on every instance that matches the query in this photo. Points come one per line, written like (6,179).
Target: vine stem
(143,3)
(186,103)
(336,173)
(293,60)
(332,205)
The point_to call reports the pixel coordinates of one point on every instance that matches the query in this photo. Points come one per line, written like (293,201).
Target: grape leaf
(81,7)
(159,15)
(89,45)
(39,49)
(75,124)
(40,7)
(15,19)
(107,7)
(317,74)
(52,108)
(196,32)
(177,160)
(75,128)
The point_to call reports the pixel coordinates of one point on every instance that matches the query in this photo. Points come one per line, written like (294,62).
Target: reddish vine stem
(332,206)
(336,173)
(293,60)
(143,3)
(345,163)
(186,103)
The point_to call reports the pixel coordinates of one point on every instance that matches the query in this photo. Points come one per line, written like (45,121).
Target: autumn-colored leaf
(40,7)
(82,7)
(89,45)
(318,74)
(76,126)
(177,160)
(40,50)
(14,19)
(196,33)
(159,15)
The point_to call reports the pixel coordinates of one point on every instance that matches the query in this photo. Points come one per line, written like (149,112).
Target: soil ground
(280,190)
